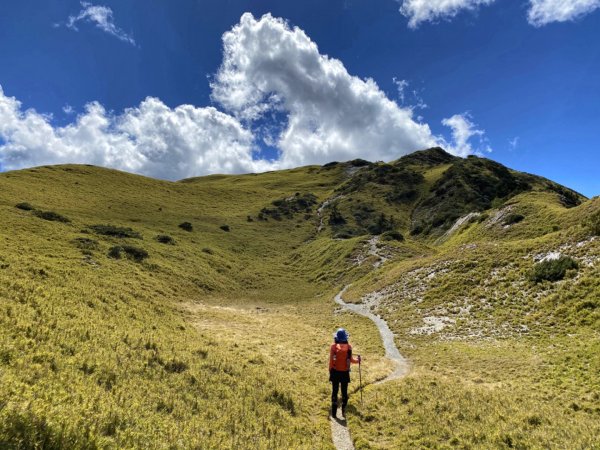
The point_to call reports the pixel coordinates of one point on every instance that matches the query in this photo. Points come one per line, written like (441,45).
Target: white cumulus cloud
(419,11)
(543,12)
(151,139)
(274,88)
(102,17)
(331,115)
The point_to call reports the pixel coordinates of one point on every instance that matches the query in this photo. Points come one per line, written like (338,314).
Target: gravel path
(339,428)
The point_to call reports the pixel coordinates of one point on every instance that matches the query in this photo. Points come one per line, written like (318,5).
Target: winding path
(339,429)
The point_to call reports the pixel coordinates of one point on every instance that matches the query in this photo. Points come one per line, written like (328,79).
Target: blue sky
(526,88)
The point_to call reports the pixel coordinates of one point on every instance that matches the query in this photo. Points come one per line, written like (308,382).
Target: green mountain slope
(123,327)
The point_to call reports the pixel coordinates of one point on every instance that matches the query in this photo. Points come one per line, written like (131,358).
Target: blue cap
(341,335)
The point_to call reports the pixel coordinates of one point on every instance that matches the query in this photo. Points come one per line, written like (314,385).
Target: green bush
(24,206)
(553,269)
(382,224)
(115,252)
(335,217)
(289,206)
(165,239)
(187,226)
(513,218)
(392,236)
(416,229)
(119,232)
(51,216)
(135,253)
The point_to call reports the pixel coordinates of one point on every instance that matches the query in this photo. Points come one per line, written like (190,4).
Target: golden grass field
(221,340)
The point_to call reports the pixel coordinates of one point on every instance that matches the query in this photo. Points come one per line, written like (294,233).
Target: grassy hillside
(141,313)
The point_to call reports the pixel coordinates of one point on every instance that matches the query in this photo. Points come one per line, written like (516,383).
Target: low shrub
(115,252)
(402,195)
(335,217)
(225,228)
(567,197)
(119,232)
(553,269)
(512,219)
(359,163)
(165,239)
(187,226)
(392,236)
(135,253)
(382,224)
(416,229)
(24,206)
(51,216)
(289,206)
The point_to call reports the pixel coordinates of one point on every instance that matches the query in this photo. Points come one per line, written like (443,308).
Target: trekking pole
(360,381)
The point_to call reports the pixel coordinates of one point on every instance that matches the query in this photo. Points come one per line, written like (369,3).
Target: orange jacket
(340,357)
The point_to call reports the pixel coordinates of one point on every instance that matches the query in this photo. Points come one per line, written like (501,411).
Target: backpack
(341,357)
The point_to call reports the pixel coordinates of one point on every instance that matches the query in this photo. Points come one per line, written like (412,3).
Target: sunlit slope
(120,328)
(504,353)
(117,353)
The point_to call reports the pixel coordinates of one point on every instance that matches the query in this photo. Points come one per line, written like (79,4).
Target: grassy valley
(138,313)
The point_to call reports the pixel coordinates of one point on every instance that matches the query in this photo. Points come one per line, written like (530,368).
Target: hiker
(340,357)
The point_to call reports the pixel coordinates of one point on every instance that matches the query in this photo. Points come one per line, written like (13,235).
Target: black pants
(335,387)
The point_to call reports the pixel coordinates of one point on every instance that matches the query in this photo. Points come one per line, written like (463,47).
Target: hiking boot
(334,410)
(344,411)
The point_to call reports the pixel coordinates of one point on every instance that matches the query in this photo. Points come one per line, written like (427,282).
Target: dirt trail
(339,429)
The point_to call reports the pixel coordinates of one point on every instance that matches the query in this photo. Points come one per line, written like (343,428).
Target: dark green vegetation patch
(165,239)
(511,219)
(24,206)
(114,231)
(392,236)
(553,269)
(135,253)
(51,216)
(186,226)
(402,180)
(469,185)
(289,206)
